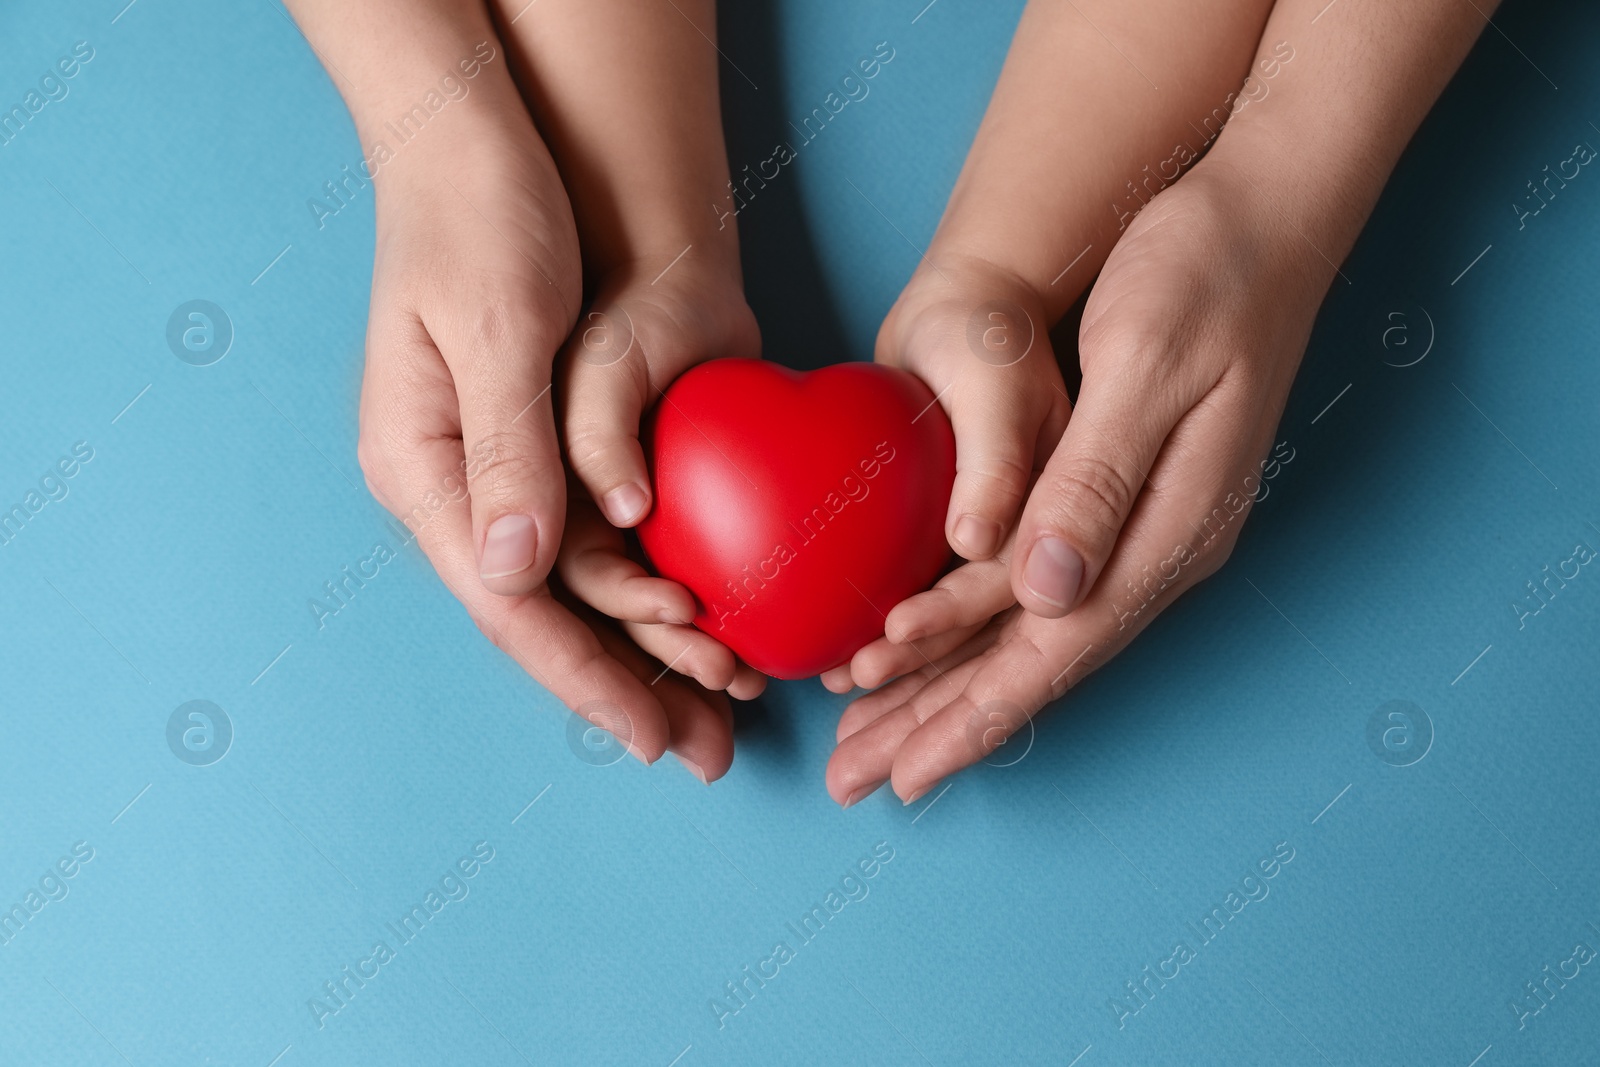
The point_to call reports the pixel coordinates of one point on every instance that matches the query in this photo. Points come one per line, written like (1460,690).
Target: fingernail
(861,794)
(637,754)
(508,547)
(1053,572)
(668,615)
(912,635)
(692,767)
(918,795)
(624,504)
(979,537)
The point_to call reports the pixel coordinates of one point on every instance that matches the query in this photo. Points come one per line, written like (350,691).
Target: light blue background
(374,753)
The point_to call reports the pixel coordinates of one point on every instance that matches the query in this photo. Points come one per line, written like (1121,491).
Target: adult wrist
(449,92)
(1311,204)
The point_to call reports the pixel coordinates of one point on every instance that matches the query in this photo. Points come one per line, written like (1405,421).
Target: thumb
(992,366)
(605,389)
(1077,509)
(1004,420)
(501,371)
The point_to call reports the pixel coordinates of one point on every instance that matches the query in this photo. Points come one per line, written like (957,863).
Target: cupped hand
(1189,344)
(476,285)
(976,335)
(652,319)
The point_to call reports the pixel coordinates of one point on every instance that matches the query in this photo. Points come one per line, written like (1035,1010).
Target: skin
(1032,217)
(483,266)
(1189,343)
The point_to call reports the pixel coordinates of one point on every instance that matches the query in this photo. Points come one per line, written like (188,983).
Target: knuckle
(595,391)
(489,326)
(507,464)
(1001,475)
(1145,352)
(603,338)
(489,630)
(508,322)
(1092,495)
(1110,338)
(717,670)
(597,458)
(1073,671)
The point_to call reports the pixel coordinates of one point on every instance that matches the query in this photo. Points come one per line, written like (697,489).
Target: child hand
(977,337)
(667,704)
(596,568)
(1189,344)
(652,320)
(627,95)
(924,628)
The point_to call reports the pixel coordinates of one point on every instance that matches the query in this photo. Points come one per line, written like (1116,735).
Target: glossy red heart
(798,508)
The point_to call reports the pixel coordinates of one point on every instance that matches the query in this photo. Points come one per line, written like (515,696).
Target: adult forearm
(1318,151)
(390,57)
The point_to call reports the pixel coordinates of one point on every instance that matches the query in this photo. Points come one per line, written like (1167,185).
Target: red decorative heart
(798,508)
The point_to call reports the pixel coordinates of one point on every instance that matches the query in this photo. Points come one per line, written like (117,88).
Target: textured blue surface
(375,753)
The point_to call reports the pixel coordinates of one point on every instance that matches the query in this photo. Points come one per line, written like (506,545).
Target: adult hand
(1189,344)
(476,285)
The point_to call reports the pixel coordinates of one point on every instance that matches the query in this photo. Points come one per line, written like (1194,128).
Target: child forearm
(1099,105)
(626,94)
